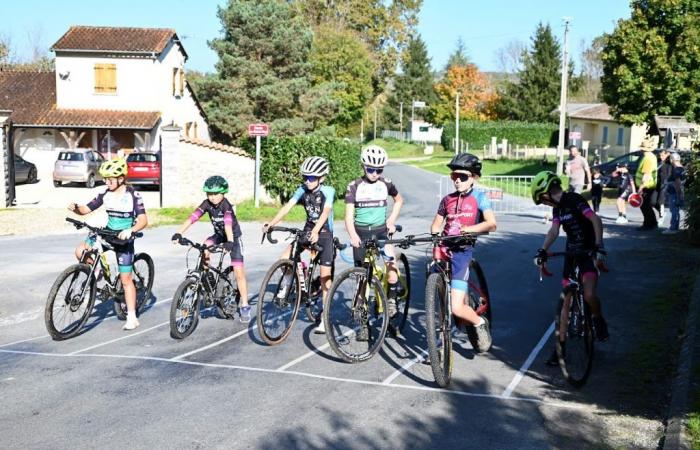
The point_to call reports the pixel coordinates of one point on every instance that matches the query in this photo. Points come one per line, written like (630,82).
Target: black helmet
(466,161)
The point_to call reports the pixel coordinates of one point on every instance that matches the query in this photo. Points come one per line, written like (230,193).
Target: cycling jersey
(314,202)
(220,216)
(122,208)
(625,185)
(463,209)
(572,214)
(370,200)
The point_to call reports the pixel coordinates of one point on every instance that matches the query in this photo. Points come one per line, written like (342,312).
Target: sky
(484,26)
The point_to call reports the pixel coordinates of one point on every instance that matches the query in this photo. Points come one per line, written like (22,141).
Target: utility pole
(401,119)
(562,98)
(457,124)
(374,136)
(362,130)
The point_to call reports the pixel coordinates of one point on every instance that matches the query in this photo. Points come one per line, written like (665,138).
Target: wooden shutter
(105,78)
(175,70)
(182,82)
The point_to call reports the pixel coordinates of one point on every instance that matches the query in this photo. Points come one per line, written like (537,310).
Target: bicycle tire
(398,322)
(142,275)
(577,363)
(70,302)
(227,293)
(342,321)
(186,303)
(314,303)
(479,300)
(273,310)
(438,324)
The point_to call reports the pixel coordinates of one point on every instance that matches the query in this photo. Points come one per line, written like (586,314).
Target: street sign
(574,135)
(418,104)
(258,129)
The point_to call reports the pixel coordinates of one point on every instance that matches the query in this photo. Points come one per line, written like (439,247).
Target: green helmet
(542,183)
(215,185)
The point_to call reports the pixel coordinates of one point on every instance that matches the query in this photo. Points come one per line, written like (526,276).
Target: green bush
(281,158)
(479,133)
(692,201)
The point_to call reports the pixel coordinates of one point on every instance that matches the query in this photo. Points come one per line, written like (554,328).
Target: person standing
(661,176)
(578,171)
(645,179)
(674,192)
(596,190)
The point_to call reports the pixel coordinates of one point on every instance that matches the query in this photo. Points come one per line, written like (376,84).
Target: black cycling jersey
(220,215)
(572,214)
(314,202)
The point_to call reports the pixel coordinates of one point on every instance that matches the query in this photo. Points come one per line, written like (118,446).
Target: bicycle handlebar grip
(77,223)
(338,245)
(399,228)
(269,236)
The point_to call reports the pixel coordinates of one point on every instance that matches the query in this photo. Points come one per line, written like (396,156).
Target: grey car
(79,165)
(24,171)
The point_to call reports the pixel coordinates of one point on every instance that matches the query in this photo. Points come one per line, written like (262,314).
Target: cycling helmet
(621,165)
(466,161)
(542,183)
(215,185)
(374,156)
(314,166)
(113,168)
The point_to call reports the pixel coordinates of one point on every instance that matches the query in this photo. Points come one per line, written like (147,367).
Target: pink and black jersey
(572,214)
(220,216)
(463,209)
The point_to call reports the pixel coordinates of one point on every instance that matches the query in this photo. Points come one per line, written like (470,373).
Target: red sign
(494,194)
(574,135)
(258,129)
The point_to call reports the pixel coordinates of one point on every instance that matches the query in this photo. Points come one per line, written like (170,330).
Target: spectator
(625,189)
(645,179)
(674,192)
(596,190)
(578,171)
(662,175)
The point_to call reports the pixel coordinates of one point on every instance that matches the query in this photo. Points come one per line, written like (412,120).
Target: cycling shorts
(237,252)
(624,194)
(325,240)
(586,266)
(365,233)
(460,260)
(125,254)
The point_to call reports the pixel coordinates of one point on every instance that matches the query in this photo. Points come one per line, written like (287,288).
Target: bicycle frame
(202,267)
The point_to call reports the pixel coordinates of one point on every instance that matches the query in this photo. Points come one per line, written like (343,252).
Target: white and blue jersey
(314,202)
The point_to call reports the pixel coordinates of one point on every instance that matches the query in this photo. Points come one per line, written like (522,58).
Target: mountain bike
(72,296)
(204,286)
(357,317)
(287,283)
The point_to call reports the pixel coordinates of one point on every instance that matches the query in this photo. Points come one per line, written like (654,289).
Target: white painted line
(25,340)
(408,365)
(528,362)
(21,317)
(214,344)
(311,375)
(310,354)
(130,335)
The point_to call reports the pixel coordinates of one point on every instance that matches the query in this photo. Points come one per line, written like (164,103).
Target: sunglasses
(377,170)
(459,176)
(309,178)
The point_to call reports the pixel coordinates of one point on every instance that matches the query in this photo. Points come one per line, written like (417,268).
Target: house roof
(116,40)
(590,111)
(215,146)
(678,123)
(31,96)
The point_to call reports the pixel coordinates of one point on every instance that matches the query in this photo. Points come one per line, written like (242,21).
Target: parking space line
(313,352)
(408,365)
(25,340)
(214,344)
(528,362)
(130,335)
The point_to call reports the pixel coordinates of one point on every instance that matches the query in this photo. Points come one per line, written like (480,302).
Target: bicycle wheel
(438,324)
(184,309)
(576,360)
(278,302)
(398,322)
(314,303)
(142,275)
(70,302)
(227,295)
(356,316)
(479,300)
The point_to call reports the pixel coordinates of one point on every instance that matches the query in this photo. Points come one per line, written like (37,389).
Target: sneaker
(600,329)
(131,323)
(363,335)
(391,307)
(621,220)
(482,337)
(320,328)
(244,311)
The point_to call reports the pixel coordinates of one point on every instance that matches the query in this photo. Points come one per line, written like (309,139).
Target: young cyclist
(226,231)
(584,234)
(317,200)
(366,203)
(126,214)
(466,210)
(624,190)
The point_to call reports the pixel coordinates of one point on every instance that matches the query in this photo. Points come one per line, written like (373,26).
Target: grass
(400,149)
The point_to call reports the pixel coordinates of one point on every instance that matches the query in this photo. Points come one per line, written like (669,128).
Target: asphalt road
(223,388)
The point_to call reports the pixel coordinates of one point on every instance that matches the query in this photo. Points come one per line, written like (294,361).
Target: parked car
(25,172)
(80,164)
(143,168)
(632,159)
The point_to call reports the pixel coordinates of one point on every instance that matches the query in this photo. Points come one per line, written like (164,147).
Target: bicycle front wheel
(576,357)
(70,302)
(142,274)
(314,303)
(438,324)
(184,309)
(278,302)
(356,316)
(403,299)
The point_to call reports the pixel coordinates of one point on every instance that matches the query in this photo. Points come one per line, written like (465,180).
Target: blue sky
(485,26)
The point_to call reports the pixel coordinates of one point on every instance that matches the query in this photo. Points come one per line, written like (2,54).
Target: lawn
(400,149)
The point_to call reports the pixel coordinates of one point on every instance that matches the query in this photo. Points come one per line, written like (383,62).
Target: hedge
(692,201)
(282,157)
(479,133)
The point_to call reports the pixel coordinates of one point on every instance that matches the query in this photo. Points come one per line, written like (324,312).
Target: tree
(510,57)
(458,57)
(476,96)
(415,82)
(588,81)
(536,93)
(651,62)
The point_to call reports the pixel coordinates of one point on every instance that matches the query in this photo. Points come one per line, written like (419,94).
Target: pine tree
(459,57)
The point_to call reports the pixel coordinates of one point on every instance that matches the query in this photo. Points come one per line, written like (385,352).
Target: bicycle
(357,305)
(203,286)
(288,282)
(69,306)
(576,361)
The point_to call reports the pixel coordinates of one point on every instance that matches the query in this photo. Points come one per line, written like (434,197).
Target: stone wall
(4,154)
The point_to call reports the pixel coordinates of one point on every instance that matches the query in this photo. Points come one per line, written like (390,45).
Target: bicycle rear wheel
(576,360)
(184,309)
(398,322)
(479,300)
(438,324)
(278,302)
(70,302)
(142,274)
(356,316)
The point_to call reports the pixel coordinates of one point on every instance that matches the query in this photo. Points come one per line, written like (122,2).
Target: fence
(398,135)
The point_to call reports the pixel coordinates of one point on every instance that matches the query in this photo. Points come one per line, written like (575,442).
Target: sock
(131,315)
(393,288)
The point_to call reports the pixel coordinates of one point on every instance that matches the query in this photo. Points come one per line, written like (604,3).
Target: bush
(281,158)
(479,133)
(692,201)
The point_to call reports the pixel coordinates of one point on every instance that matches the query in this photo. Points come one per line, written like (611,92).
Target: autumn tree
(476,95)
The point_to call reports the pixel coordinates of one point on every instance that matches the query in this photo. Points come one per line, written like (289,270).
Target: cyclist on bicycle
(125,214)
(584,235)
(317,200)
(227,231)
(365,214)
(466,210)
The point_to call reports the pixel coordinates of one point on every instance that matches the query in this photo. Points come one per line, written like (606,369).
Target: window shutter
(182,82)
(105,78)
(195,131)
(175,70)
(187,128)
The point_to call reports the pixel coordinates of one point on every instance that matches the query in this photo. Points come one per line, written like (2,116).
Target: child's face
(596,174)
(311,182)
(462,179)
(215,198)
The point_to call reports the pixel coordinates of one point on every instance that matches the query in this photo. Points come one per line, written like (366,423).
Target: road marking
(21,317)
(406,366)
(25,340)
(528,362)
(309,375)
(313,352)
(130,335)
(214,344)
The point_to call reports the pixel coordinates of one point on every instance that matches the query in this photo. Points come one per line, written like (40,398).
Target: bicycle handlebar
(201,247)
(101,231)
(435,239)
(600,265)
(298,234)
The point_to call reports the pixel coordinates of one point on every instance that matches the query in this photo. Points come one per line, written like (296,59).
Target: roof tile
(117,39)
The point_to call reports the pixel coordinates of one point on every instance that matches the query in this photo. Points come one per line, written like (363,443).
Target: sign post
(258,130)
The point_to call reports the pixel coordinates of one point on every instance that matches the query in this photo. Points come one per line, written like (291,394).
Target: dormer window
(178,82)
(105,79)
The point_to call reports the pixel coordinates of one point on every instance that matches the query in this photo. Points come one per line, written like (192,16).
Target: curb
(675,436)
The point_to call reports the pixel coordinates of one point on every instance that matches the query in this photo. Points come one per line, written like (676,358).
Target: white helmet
(314,166)
(374,156)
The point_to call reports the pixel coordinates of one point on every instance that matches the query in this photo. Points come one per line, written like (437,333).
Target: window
(70,156)
(620,135)
(178,82)
(105,78)
(605,135)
